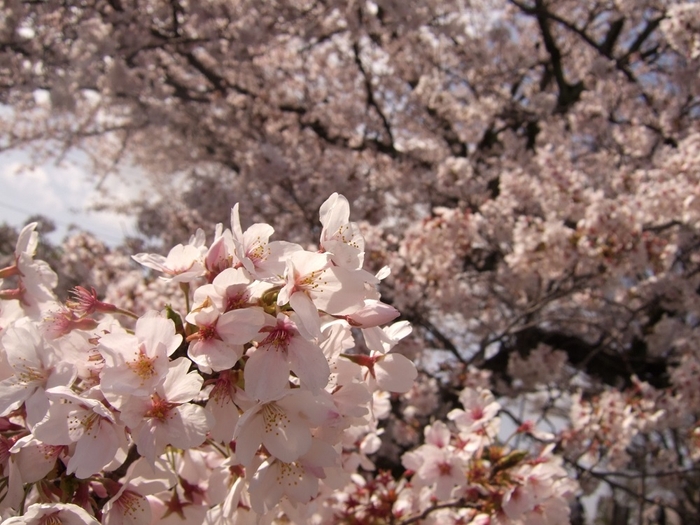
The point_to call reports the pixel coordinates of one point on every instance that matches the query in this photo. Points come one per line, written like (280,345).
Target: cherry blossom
(36,365)
(36,279)
(135,364)
(184,262)
(437,463)
(231,289)
(312,284)
(218,343)
(527,169)
(261,258)
(391,371)
(282,424)
(284,350)
(63,513)
(273,413)
(222,405)
(340,237)
(99,439)
(166,416)
(297,480)
(34,458)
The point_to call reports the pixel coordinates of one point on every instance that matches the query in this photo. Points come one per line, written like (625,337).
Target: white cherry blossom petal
(395,373)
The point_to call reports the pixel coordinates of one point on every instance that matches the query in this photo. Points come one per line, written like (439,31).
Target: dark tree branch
(371,100)
(418,319)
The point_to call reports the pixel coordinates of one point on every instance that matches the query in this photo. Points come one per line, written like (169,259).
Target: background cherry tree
(529,170)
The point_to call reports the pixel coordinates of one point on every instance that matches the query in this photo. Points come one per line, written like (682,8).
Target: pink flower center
(207,332)
(130,503)
(274,418)
(160,408)
(223,388)
(445,469)
(258,251)
(28,374)
(477,413)
(279,339)
(235,302)
(308,282)
(143,366)
(50,451)
(87,422)
(289,474)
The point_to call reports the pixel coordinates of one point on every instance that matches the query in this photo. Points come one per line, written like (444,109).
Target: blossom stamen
(160,408)
(143,367)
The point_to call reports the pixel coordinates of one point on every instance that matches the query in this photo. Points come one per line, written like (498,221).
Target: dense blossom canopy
(529,170)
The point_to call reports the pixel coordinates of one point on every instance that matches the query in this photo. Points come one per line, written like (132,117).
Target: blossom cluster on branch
(529,170)
(256,402)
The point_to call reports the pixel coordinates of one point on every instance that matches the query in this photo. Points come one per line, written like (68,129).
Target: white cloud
(61,193)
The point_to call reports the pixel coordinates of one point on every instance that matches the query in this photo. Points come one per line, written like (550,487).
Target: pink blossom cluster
(259,397)
(681,27)
(248,403)
(603,428)
(463,474)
